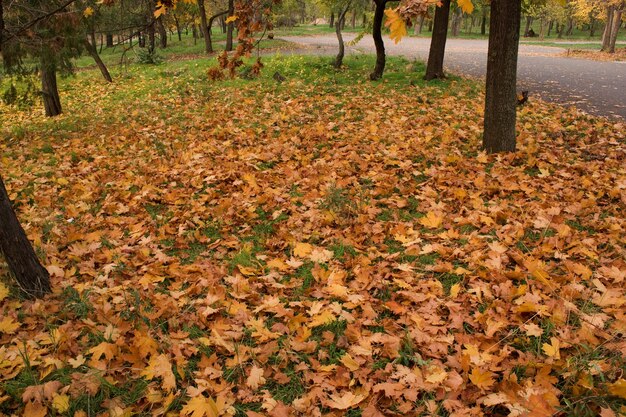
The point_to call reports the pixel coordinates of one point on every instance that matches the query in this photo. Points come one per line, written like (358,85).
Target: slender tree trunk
(529,21)
(550,26)
(179,30)
(364,20)
(208,47)
(570,27)
(332,19)
(501,97)
(151,38)
(31,277)
(434,68)
(1,25)
(353,22)
(617,22)
(141,40)
(420,25)
(456,21)
(49,89)
(162,32)
(91,48)
(592,26)
(559,30)
(231,26)
(209,26)
(483,22)
(379,68)
(430,24)
(606,36)
(338,28)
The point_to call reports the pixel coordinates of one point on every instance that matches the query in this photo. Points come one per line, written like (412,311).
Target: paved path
(595,87)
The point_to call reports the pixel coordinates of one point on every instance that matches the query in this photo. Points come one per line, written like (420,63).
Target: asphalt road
(595,87)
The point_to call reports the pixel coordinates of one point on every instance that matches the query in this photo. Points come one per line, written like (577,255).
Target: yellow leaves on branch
(466,6)
(396,25)
(231,19)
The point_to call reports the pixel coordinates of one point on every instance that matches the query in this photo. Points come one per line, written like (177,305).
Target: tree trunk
(49,90)
(500,96)
(353,22)
(378,40)
(151,38)
(483,22)
(420,25)
(32,278)
(606,36)
(570,27)
(141,40)
(456,21)
(162,32)
(529,21)
(109,40)
(338,28)
(179,31)
(231,26)
(1,25)
(430,24)
(550,26)
(332,19)
(592,26)
(364,20)
(208,46)
(617,22)
(91,48)
(208,31)
(434,68)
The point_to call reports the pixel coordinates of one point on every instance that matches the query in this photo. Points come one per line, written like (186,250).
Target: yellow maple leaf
(482,379)
(466,6)
(108,350)
(200,407)
(87,12)
(302,249)
(8,326)
(396,25)
(160,366)
(618,388)
(4,291)
(61,403)
(432,220)
(160,9)
(552,349)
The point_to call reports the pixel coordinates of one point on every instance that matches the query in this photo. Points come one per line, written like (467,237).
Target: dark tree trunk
(208,46)
(353,22)
(529,21)
(91,48)
(141,40)
(364,20)
(483,22)
(378,40)
(151,38)
(179,30)
(130,39)
(592,26)
(32,278)
(209,26)
(332,19)
(49,89)
(338,28)
(223,24)
(430,24)
(1,25)
(162,32)
(500,96)
(231,26)
(434,68)
(109,40)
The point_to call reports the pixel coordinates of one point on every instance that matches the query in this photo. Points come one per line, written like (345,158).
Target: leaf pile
(257,249)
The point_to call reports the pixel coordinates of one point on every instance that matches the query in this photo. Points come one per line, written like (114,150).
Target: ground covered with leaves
(321,246)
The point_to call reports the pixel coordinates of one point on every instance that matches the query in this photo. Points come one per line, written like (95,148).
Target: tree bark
(483,22)
(338,28)
(434,68)
(31,276)
(179,30)
(353,21)
(162,32)
(1,25)
(151,38)
(332,19)
(501,97)
(208,46)
(231,26)
(379,68)
(420,25)
(592,26)
(550,26)
(91,48)
(617,22)
(49,89)
(109,40)
(208,31)
(456,21)
(606,35)
(529,21)
(570,26)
